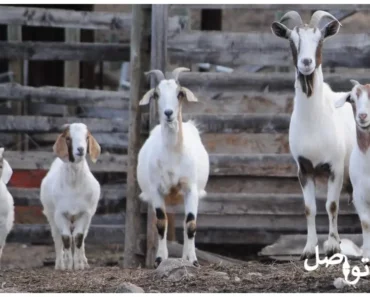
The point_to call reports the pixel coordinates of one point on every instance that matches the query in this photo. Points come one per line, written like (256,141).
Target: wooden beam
(158,61)
(16,66)
(45,51)
(54,124)
(72,68)
(107,140)
(235,49)
(237,82)
(46,17)
(135,223)
(15,91)
(42,160)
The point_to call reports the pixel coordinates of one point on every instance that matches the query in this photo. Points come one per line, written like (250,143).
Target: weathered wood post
(135,226)
(158,61)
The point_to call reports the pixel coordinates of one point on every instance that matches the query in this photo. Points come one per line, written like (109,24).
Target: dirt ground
(29,269)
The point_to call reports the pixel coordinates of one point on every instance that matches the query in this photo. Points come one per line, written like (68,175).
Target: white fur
(69,194)
(6,203)
(359,169)
(318,130)
(162,165)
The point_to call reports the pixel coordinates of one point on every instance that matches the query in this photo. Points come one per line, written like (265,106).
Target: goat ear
(189,95)
(354,82)
(94,148)
(343,99)
(7,172)
(60,147)
(146,98)
(330,29)
(280,30)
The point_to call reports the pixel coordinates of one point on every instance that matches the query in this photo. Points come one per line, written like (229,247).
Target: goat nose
(80,150)
(307,62)
(168,112)
(362,116)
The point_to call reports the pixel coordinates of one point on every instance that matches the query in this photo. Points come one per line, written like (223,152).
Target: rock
(237,279)
(220,274)
(128,288)
(340,283)
(175,269)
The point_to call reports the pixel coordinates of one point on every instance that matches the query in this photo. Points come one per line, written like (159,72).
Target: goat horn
(293,16)
(176,72)
(158,74)
(318,15)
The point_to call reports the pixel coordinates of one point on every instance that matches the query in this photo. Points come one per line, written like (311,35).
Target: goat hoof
(332,252)
(305,256)
(157,261)
(196,263)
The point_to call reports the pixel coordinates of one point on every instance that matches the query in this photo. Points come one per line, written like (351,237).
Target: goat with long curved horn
(317,17)
(293,17)
(158,74)
(177,71)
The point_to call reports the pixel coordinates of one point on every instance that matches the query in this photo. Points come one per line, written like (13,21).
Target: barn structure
(244,82)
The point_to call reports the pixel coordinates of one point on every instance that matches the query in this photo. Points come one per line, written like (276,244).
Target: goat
(6,201)
(173,165)
(70,193)
(321,137)
(359,165)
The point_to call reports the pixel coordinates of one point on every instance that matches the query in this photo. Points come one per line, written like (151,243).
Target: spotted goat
(173,165)
(70,193)
(359,164)
(321,137)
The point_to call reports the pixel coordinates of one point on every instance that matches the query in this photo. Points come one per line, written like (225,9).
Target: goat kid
(70,193)
(321,137)
(173,165)
(6,201)
(359,165)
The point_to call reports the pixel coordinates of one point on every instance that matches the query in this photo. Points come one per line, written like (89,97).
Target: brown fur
(93,148)
(191,228)
(175,197)
(363,139)
(319,53)
(333,208)
(61,146)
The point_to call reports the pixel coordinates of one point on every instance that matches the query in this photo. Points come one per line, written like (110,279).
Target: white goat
(6,201)
(173,164)
(359,165)
(70,194)
(321,137)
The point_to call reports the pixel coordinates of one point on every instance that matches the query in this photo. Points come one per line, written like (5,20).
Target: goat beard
(306,82)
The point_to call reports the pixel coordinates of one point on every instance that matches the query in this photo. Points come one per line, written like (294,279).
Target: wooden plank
(101,112)
(72,68)
(54,124)
(223,82)
(15,91)
(261,165)
(47,109)
(46,17)
(40,234)
(112,197)
(234,49)
(16,67)
(135,223)
(46,51)
(236,123)
(246,143)
(106,140)
(284,7)
(42,160)
(158,61)
(224,204)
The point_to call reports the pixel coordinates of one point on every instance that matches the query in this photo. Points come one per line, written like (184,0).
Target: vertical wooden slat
(72,68)
(158,61)
(26,103)
(16,66)
(135,223)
